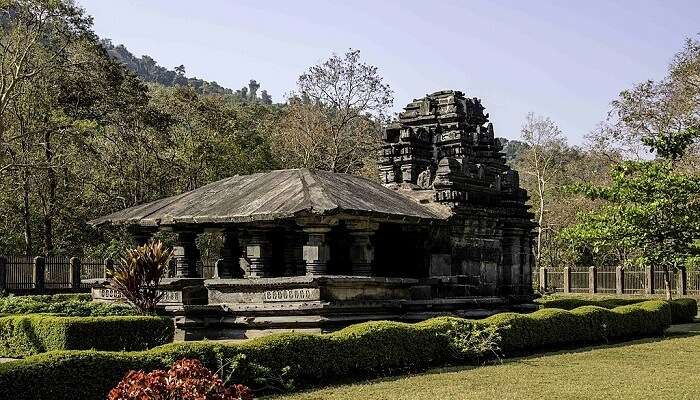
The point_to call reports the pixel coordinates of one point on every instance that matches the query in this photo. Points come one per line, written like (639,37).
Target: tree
(650,209)
(82,136)
(55,80)
(657,115)
(542,160)
(334,120)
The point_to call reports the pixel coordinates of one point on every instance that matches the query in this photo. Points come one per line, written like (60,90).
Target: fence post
(649,274)
(39,272)
(543,279)
(592,280)
(3,272)
(567,279)
(682,286)
(619,280)
(74,272)
(109,266)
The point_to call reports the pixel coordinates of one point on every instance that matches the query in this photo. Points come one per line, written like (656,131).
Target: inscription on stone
(111,294)
(172,297)
(108,294)
(290,295)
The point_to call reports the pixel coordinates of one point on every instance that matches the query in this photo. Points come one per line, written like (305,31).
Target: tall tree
(657,115)
(334,119)
(541,161)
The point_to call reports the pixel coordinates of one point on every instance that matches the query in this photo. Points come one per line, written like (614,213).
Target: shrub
(25,335)
(360,351)
(138,274)
(55,298)
(78,305)
(682,310)
(186,380)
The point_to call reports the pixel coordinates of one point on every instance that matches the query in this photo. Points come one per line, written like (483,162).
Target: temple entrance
(400,252)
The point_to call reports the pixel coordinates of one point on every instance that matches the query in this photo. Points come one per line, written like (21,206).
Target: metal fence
(611,279)
(21,273)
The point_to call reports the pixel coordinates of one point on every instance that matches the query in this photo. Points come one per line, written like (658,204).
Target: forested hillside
(146,68)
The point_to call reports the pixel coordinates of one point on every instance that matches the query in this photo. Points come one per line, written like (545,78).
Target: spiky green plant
(137,275)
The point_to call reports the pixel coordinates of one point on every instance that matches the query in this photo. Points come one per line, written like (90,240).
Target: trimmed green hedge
(360,351)
(683,310)
(25,335)
(79,305)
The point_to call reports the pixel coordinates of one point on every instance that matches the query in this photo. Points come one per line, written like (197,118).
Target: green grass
(652,368)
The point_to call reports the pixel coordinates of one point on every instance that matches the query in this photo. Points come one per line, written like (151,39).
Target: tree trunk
(26,216)
(51,194)
(540,220)
(667,283)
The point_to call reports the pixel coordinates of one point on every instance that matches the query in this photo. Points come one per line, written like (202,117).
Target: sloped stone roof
(271,196)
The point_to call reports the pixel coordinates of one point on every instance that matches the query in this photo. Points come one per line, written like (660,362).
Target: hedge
(65,304)
(25,335)
(360,351)
(683,310)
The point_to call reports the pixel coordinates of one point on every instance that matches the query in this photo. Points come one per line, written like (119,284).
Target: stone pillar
(527,260)
(316,252)
(228,265)
(186,255)
(567,279)
(74,273)
(649,275)
(593,280)
(620,280)
(543,280)
(39,271)
(517,271)
(108,267)
(293,254)
(259,253)
(362,248)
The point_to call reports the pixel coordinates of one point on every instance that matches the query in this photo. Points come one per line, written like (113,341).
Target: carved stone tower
(444,143)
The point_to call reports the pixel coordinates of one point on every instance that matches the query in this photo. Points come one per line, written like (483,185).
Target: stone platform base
(233,321)
(245,308)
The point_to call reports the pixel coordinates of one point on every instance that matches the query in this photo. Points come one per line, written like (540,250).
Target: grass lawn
(655,368)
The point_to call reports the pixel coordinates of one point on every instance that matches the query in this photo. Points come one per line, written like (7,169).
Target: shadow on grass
(678,331)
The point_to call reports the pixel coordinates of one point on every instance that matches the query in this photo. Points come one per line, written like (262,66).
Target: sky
(562,59)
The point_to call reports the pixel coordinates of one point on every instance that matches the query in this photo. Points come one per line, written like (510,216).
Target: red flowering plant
(186,380)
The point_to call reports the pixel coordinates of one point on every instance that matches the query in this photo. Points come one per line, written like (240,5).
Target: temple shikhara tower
(446,231)
(444,144)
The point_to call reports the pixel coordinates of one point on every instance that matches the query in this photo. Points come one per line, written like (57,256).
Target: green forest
(87,128)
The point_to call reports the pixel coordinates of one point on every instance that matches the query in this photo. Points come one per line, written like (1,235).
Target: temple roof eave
(305,217)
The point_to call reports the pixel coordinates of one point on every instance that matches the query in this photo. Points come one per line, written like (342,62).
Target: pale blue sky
(563,59)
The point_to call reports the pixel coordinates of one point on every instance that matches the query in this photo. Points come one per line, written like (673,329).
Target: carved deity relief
(425,179)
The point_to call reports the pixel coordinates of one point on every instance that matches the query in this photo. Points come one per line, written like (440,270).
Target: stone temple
(446,231)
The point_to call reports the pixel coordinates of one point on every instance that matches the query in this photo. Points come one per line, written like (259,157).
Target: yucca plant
(137,275)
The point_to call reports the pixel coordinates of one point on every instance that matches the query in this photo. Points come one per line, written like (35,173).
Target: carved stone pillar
(293,254)
(362,248)
(526,260)
(259,253)
(229,266)
(186,255)
(316,252)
